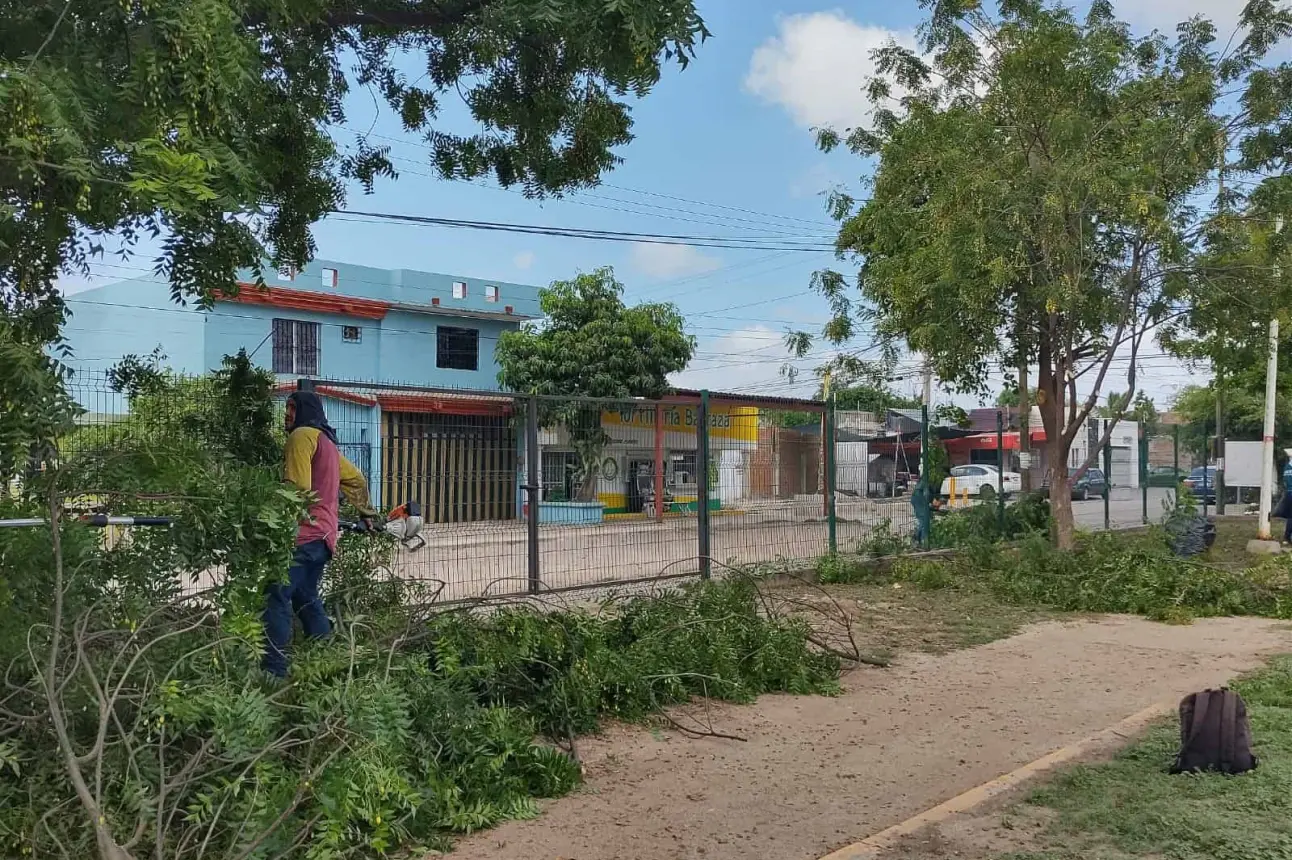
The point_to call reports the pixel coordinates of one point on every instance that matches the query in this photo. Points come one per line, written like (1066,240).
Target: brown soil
(817,773)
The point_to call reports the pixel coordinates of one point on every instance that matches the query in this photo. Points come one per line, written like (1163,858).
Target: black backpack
(1214,734)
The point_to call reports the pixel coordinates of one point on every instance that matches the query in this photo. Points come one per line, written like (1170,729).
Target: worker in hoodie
(314,465)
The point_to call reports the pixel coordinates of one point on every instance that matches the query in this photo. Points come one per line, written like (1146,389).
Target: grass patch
(922,604)
(1109,572)
(1131,807)
(890,620)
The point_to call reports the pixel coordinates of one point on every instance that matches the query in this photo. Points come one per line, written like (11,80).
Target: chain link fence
(524,495)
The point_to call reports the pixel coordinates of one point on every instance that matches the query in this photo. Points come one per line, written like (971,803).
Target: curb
(872,846)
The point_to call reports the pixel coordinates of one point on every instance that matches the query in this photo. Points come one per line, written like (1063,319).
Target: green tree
(589,345)
(1008,396)
(1244,410)
(872,398)
(212,121)
(1119,404)
(1034,198)
(212,124)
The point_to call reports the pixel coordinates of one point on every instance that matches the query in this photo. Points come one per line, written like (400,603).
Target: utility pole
(1220,444)
(1024,426)
(1267,438)
(924,422)
(928,383)
(1220,377)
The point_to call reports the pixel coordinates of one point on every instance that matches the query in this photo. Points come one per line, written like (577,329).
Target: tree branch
(396,15)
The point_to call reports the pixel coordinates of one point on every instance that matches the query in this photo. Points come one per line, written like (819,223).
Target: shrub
(1029,514)
(882,542)
(1111,572)
(927,575)
(398,732)
(405,728)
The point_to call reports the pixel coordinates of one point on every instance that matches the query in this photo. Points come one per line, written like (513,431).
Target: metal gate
(458,468)
(1122,473)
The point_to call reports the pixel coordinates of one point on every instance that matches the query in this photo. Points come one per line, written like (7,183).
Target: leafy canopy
(590,345)
(207,121)
(1035,198)
(213,125)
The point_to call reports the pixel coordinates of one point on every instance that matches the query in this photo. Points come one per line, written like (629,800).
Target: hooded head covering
(309,413)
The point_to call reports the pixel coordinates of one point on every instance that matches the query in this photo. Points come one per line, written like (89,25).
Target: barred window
(296,347)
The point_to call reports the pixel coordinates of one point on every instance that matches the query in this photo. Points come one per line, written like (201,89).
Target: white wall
(851,460)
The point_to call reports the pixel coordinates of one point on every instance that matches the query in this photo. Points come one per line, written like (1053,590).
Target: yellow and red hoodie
(313,464)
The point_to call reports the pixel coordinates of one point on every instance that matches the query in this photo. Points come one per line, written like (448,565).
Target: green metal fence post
(1000,474)
(831,476)
(702,484)
(1108,478)
(533,495)
(1143,472)
(1175,463)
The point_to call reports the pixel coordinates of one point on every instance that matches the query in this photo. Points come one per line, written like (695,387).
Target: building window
(491,293)
(459,289)
(296,347)
(330,279)
(560,470)
(351,333)
(457,348)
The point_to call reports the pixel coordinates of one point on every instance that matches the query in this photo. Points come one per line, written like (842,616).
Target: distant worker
(922,505)
(1285,504)
(314,465)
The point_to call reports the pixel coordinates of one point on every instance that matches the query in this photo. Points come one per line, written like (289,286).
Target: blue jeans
(299,595)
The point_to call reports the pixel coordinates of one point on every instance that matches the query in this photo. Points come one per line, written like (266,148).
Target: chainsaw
(404,524)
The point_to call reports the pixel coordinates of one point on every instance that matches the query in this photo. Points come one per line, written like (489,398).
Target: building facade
(455,455)
(331,320)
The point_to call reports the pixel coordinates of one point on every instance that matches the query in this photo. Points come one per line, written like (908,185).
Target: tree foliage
(212,125)
(589,345)
(1119,404)
(1035,195)
(211,122)
(135,720)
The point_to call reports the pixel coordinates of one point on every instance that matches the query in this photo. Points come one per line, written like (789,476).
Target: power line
(655,194)
(742,243)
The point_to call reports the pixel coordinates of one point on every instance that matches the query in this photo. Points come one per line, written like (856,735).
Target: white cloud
(523,260)
(817,65)
(671,261)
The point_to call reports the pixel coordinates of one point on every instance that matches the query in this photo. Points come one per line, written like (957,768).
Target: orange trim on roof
(304,300)
(329,391)
(443,405)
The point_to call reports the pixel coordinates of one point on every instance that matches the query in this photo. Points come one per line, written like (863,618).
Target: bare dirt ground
(816,773)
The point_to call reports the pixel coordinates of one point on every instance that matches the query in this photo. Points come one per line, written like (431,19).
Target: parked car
(1165,476)
(1091,483)
(1201,483)
(981,481)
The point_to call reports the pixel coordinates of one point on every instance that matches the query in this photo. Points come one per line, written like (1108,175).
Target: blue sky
(730,133)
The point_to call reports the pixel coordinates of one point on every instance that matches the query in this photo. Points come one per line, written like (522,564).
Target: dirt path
(816,773)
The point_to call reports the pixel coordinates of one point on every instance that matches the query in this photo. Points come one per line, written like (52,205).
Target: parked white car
(981,481)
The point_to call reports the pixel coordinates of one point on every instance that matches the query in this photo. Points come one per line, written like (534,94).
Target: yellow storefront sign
(725,422)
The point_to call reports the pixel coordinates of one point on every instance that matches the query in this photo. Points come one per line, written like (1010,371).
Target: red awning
(987,442)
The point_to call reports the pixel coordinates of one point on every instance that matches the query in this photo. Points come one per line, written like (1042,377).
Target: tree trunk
(1060,495)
